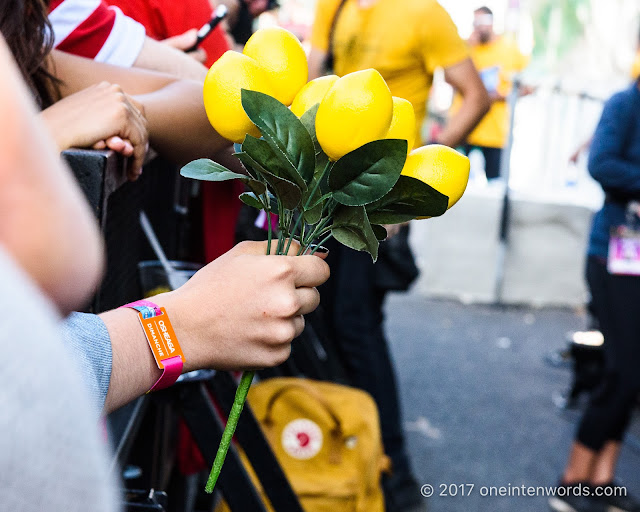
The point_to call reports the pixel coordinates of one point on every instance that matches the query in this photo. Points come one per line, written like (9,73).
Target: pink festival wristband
(162,341)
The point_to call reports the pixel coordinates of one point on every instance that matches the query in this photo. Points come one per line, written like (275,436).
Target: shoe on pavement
(616,503)
(575,498)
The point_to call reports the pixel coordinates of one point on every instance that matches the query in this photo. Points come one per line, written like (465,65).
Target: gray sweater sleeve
(87,338)
(52,457)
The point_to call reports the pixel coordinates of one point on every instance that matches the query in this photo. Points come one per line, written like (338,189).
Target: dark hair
(484,10)
(25,26)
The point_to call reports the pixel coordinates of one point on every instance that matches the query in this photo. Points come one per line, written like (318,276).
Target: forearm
(496,96)
(178,124)
(157,56)
(474,106)
(134,370)
(226,158)
(316,62)
(77,73)
(57,128)
(464,77)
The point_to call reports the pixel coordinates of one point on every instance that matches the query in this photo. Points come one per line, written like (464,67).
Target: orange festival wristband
(162,341)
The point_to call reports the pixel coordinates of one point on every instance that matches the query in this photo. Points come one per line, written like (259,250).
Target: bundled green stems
(286,219)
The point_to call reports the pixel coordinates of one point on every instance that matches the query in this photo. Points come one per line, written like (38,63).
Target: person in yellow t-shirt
(498,59)
(405,41)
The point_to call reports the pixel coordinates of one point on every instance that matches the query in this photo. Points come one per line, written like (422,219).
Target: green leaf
(313,214)
(308,120)
(266,156)
(289,194)
(257,187)
(380,232)
(250,172)
(208,170)
(282,129)
(408,199)
(321,162)
(351,227)
(366,174)
(250,199)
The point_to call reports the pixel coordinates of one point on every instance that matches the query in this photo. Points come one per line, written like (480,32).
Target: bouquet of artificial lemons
(337,163)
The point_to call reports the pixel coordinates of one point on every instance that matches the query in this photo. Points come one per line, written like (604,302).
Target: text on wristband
(161,338)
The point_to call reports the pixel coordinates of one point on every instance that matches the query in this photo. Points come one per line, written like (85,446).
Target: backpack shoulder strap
(329,61)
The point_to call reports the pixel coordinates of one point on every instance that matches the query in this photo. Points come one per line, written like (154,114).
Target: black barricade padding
(126,243)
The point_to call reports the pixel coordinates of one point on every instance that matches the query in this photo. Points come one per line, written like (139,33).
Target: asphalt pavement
(477,402)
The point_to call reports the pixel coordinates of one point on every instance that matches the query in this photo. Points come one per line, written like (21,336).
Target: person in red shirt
(164,19)
(116,34)
(98,31)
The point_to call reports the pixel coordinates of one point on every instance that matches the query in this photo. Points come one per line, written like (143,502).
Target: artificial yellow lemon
(403,122)
(356,110)
(311,94)
(222,94)
(441,167)
(281,55)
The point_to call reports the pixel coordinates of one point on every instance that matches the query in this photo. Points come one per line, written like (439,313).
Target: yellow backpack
(327,439)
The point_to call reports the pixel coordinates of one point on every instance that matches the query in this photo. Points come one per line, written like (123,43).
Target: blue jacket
(614,161)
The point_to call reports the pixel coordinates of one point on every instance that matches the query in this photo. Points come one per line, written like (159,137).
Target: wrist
(162,341)
(59,135)
(183,325)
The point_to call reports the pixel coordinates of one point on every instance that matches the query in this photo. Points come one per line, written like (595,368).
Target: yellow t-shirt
(404,41)
(496,62)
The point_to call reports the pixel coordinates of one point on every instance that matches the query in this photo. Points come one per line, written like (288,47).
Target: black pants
(616,303)
(492,157)
(354,313)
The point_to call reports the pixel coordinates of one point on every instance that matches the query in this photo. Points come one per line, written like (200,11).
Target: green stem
(319,227)
(282,230)
(322,232)
(267,208)
(269,234)
(309,198)
(320,243)
(229,429)
(292,233)
(280,241)
(304,228)
(324,220)
(316,234)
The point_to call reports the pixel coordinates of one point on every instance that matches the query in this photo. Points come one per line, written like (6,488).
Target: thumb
(250,247)
(184,40)
(260,248)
